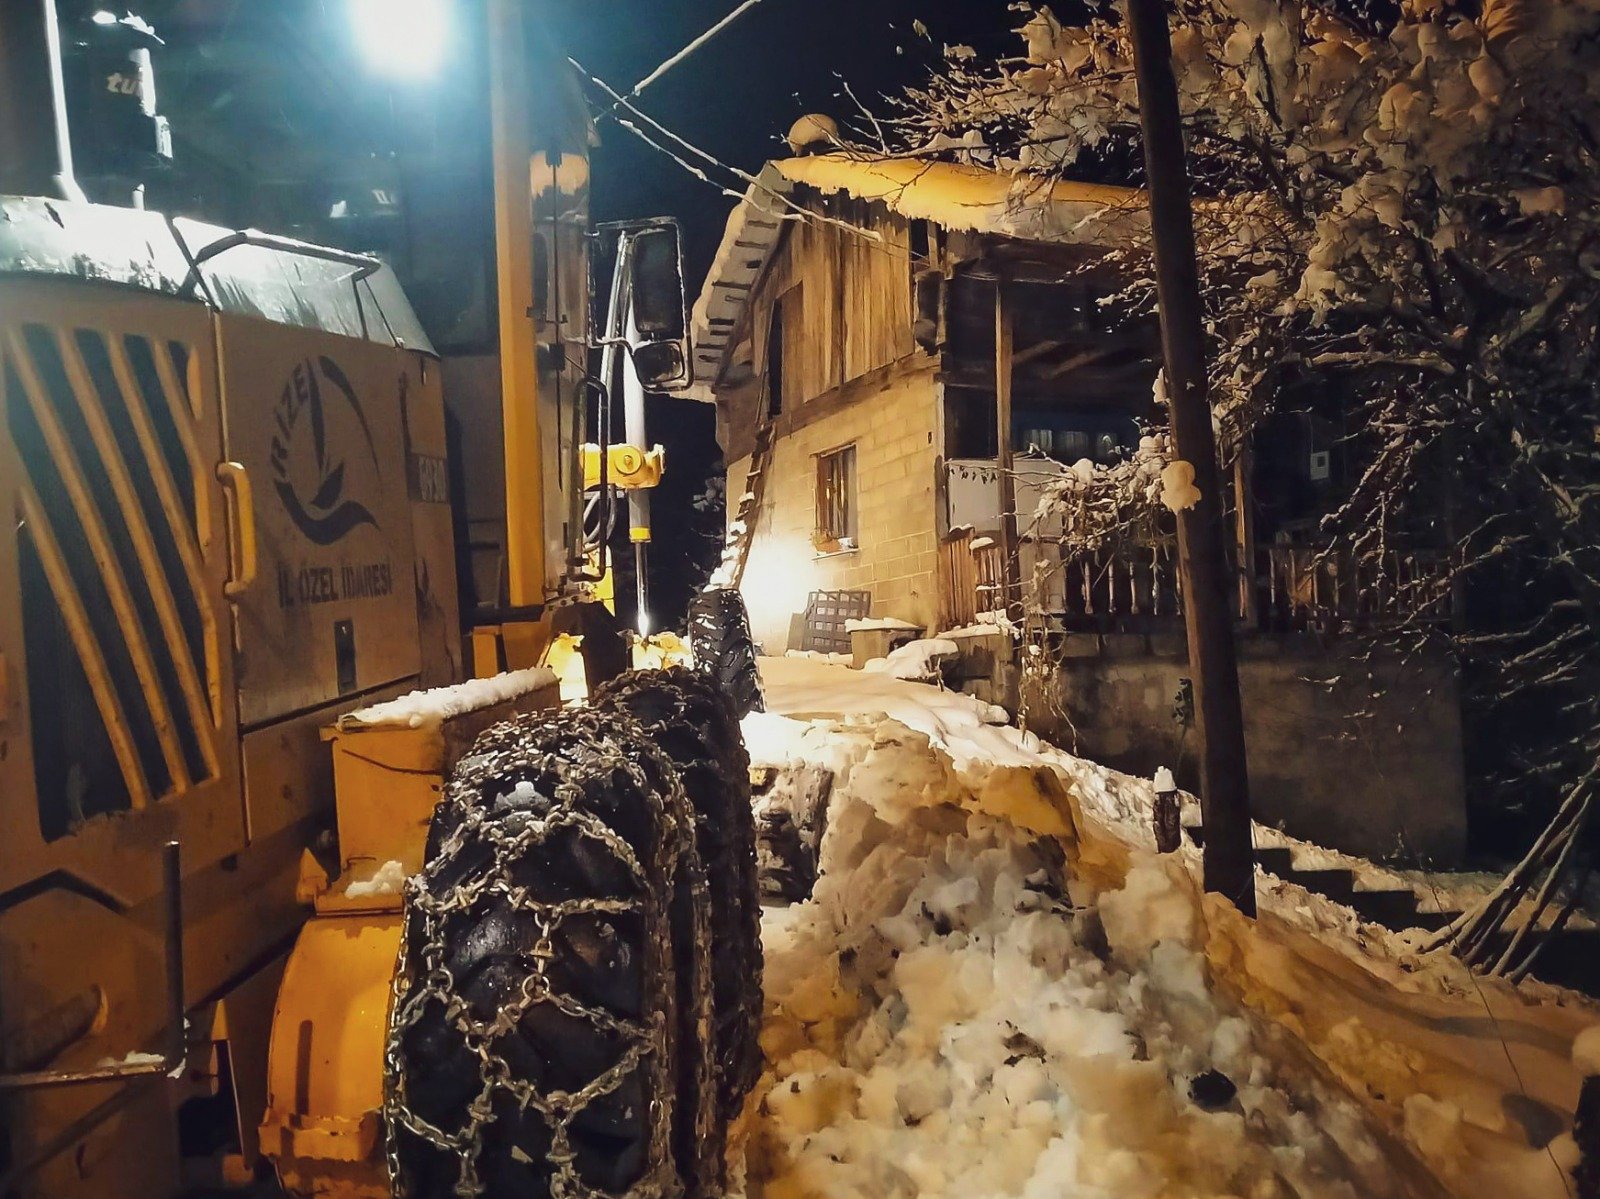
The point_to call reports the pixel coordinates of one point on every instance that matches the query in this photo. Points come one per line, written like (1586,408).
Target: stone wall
(892,425)
(1364,757)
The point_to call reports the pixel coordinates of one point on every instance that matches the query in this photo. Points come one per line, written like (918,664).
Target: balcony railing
(1294,588)
(1303,587)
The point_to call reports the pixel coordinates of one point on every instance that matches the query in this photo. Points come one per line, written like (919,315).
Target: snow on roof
(434,707)
(998,203)
(748,240)
(974,199)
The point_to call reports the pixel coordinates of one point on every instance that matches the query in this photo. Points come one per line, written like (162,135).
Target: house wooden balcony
(1294,588)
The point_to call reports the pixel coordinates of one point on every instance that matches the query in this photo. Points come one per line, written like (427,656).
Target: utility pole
(1202,562)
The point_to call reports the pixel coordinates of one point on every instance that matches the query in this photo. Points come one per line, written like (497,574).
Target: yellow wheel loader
(284,895)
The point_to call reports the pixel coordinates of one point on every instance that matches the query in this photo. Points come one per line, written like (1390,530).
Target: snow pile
(1586,1052)
(943,1020)
(989,624)
(817,655)
(135,1058)
(429,709)
(938,811)
(388,879)
(917,661)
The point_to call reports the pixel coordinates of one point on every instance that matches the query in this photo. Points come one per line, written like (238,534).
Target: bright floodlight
(103,17)
(404,38)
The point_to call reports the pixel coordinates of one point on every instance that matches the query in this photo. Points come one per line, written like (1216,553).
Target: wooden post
(1244,513)
(1202,560)
(1010,591)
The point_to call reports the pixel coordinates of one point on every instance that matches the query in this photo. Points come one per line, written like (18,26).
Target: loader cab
(222,460)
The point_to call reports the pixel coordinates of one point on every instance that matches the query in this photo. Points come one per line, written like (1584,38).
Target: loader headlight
(403,38)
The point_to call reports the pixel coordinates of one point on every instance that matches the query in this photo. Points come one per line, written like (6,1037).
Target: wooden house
(881,337)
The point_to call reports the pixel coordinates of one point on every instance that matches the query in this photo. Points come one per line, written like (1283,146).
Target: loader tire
(724,651)
(694,723)
(534,1038)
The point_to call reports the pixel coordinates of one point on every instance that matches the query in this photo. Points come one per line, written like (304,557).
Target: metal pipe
(512,132)
(364,264)
(176,1047)
(637,435)
(35,141)
(610,353)
(177,1025)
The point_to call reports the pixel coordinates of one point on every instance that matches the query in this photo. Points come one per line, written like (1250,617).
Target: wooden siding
(852,311)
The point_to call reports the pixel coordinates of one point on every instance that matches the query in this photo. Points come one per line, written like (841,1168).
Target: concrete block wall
(1387,784)
(893,428)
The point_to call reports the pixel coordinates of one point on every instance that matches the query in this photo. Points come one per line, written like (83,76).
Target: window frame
(836,501)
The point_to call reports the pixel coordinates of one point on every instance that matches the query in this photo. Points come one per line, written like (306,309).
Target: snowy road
(990,995)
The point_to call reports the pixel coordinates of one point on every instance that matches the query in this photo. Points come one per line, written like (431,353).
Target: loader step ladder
(736,549)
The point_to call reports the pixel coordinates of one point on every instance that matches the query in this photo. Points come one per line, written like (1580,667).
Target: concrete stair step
(1338,885)
(1393,908)
(1276,860)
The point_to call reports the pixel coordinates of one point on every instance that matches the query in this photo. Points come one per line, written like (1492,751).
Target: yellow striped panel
(112,457)
(78,628)
(71,471)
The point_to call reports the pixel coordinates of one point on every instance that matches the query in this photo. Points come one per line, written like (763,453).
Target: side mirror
(657,284)
(658,335)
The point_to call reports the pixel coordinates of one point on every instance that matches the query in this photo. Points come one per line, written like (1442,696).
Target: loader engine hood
(236,272)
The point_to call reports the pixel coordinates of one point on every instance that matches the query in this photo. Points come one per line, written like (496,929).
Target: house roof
(751,235)
(973,198)
(951,195)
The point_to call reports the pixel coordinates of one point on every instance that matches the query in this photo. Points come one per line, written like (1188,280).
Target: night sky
(736,98)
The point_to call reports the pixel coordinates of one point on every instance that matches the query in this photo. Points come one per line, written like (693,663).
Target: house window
(775,359)
(1071,445)
(836,500)
(920,245)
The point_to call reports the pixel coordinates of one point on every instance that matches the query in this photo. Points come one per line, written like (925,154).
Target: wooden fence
(1134,589)
(971,578)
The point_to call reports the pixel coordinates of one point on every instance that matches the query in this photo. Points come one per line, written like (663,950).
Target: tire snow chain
(684,712)
(527,781)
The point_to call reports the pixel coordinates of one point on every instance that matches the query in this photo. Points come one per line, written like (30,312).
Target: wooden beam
(1004,367)
(1244,525)
(1037,350)
(1085,358)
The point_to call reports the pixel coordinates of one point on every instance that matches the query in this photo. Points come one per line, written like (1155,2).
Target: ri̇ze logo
(308,472)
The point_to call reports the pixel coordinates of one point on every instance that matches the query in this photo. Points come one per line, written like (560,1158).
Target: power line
(693,46)
(799,212)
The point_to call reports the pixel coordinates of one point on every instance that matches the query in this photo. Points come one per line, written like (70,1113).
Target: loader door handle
(243,552)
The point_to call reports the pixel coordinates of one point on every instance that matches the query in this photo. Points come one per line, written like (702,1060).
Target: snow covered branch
(1398,225)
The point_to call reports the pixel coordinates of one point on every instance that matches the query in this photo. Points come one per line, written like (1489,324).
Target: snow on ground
(917,661)
(817,655)
(997,991)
